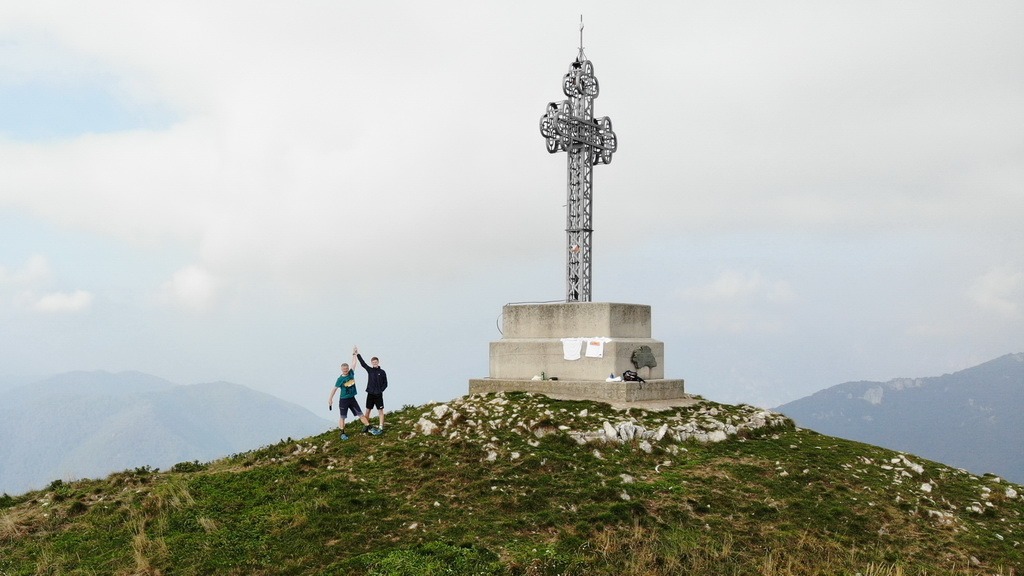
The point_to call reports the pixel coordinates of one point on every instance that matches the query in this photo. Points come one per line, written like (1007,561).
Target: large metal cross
(570,125)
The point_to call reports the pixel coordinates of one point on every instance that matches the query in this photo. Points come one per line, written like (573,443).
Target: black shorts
(349,404)
(374,401)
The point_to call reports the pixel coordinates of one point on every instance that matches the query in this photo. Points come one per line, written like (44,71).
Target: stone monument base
(584,389)
(580,344)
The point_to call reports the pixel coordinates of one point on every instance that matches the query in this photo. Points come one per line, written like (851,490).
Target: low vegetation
(522,484)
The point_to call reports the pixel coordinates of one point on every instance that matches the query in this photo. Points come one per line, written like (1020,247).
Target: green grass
(500,488)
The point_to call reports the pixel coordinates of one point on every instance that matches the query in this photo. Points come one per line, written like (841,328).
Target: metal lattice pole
(570,126)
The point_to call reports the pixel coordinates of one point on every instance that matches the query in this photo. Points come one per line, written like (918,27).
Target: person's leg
(376,401)
(349,405)
(357,411)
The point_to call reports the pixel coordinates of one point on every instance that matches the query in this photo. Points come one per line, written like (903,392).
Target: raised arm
(360,358)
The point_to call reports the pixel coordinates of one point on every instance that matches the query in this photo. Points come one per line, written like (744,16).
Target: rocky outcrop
(479,416)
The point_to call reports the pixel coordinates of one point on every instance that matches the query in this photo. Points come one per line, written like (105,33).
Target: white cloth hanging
(571,348)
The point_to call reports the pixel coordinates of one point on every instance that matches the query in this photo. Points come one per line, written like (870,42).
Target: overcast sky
(806,193)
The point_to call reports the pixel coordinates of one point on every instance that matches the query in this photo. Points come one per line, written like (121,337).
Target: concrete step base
(655,389)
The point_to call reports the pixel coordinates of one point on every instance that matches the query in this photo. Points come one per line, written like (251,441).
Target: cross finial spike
(581,56)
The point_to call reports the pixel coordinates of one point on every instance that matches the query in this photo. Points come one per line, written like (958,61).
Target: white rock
(943,517)
(627,479)
(661,433)
(912,465)
(609,430)
(1011,493)
(926,487)
(717,436)
(492,456)
(426,426)
(584,413)
(625,496)
(646,446)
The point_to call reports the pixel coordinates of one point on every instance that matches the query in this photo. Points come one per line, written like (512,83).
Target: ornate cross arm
(571,122)
(561,130)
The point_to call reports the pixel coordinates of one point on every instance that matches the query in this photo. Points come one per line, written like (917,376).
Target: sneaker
(344,436)
(366,429)
(376,431)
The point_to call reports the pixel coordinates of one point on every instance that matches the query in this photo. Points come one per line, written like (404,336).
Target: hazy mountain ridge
(89,424)
(973,418)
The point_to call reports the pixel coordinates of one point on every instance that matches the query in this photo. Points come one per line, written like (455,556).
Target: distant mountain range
(972,419)
(89,424)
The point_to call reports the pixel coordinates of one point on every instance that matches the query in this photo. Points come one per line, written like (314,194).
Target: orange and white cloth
(595,347)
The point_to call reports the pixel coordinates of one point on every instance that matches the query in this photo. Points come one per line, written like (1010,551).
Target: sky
(805,193)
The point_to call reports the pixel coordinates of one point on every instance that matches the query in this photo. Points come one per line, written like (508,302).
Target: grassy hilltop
(522,484)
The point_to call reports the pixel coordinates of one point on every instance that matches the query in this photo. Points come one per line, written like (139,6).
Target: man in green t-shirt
(347,401)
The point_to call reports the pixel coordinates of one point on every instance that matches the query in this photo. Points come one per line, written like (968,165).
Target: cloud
(1000,290)
(33,277)
(36,270)
(740,286)
(306,137)
(740,302)
(61,302)
(193,288)
(298,143)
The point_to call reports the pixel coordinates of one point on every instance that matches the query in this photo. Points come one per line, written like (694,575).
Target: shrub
(193,466)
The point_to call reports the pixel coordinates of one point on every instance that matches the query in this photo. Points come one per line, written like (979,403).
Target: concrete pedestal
(532,345)
(585,389)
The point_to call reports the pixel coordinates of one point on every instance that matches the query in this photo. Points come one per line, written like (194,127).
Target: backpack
(631,376)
